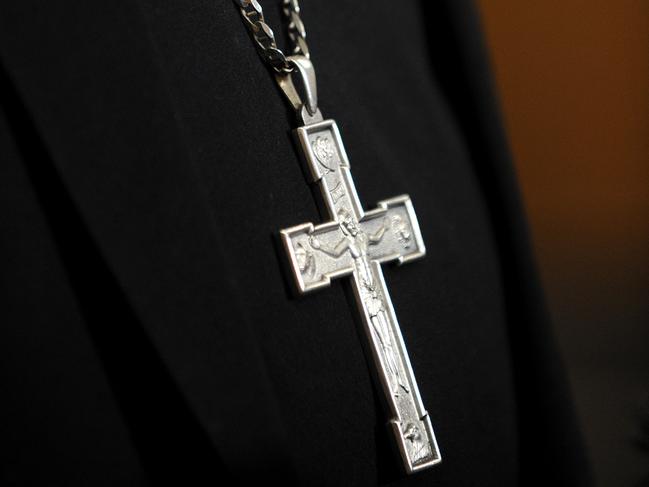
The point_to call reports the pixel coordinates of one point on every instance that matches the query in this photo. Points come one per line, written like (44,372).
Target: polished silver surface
(355,243)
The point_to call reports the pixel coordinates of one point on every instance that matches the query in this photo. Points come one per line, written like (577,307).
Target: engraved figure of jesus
(357,242)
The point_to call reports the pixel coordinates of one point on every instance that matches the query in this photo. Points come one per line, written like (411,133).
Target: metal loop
(303,70)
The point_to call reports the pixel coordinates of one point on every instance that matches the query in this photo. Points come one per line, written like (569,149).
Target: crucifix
(352,243)
(355,243)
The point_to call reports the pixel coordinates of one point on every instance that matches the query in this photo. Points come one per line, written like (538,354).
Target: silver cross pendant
(355,243)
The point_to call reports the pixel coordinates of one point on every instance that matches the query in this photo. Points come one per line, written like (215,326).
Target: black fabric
(148,335)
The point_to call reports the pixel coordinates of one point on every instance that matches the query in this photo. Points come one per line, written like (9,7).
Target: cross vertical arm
(409,420)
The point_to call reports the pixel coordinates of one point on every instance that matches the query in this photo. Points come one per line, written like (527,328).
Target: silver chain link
(263,35)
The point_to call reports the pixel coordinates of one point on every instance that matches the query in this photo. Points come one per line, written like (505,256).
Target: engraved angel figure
(357,242)
(419,448)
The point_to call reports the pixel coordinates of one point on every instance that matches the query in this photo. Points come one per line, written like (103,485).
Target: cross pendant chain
(352,243)
(355,243)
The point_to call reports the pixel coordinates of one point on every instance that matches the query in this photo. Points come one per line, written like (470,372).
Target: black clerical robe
(147,332)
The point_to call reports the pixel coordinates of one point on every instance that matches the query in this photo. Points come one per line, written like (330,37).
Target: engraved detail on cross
(355,243)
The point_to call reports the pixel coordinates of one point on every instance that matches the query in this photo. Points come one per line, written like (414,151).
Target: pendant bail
(307,108)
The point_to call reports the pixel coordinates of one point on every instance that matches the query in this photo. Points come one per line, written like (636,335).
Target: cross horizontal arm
(318,253)
(401,240)
(312,267)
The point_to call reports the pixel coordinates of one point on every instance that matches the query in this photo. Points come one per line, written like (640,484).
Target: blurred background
(573,80)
